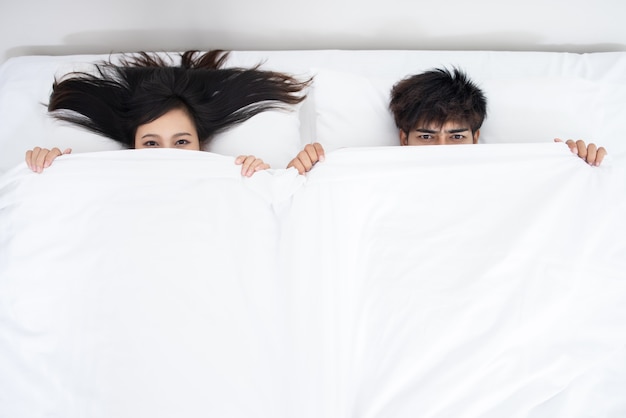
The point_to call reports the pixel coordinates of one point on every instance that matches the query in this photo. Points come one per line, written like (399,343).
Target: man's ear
(476,135)
(404,138)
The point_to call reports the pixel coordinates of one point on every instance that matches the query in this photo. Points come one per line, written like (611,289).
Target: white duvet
(467,281)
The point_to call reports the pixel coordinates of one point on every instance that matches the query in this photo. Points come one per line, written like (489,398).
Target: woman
(143,94)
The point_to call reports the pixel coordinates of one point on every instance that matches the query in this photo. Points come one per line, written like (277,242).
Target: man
(439,107)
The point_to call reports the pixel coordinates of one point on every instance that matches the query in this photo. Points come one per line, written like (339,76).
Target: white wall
(75,26)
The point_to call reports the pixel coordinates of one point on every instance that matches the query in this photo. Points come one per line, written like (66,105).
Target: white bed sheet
(460,282)
(139,283)
(479,281)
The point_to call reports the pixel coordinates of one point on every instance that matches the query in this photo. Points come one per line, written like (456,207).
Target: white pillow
(352,110)
(539,109)
(273,136)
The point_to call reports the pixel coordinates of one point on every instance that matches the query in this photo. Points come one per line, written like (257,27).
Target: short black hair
(435,97)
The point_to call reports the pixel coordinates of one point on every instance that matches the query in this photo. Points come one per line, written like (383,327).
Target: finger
(304,159)
(591,154)
(600,154)
(253,165)
(244,161)
(55,152)
(32,156)
(297,164)
(258,165)
(311,152)
(572,146)
(28,157)
(247,165)
(320,151)
(582,149)
(39,156)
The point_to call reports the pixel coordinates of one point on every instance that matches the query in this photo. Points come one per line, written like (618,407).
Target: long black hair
(116,98)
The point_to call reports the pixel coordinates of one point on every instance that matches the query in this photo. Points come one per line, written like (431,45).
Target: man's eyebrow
(458,130)
(434,131)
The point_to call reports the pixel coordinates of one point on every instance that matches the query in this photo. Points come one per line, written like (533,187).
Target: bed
(480,280)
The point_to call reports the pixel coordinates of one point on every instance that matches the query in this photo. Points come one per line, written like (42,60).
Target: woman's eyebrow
(150,136)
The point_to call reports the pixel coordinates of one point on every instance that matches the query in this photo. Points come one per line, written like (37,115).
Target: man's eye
(426,137)
(458,137)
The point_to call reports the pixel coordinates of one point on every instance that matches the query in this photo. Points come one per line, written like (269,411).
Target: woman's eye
(182,142)
(151,144)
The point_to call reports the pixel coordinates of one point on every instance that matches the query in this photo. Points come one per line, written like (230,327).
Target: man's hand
(590,153)
(307,158)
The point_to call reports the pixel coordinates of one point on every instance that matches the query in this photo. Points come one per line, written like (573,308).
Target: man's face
(447,134)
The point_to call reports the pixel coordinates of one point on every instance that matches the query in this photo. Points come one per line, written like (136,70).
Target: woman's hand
(590,153)
(38,158)
(250,164)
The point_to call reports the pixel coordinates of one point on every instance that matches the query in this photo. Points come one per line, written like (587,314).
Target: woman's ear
(476,135)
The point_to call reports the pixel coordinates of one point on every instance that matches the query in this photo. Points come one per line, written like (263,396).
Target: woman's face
(175,129)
